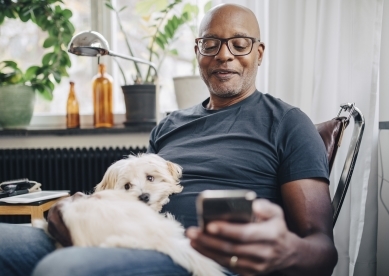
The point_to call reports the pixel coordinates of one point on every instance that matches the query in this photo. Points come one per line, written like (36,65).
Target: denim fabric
(25,249)
(21,248)
(80,261)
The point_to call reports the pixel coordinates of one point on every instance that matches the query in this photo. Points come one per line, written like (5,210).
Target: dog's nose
(144,197)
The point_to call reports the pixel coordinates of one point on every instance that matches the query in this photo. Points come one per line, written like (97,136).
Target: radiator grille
(78,169)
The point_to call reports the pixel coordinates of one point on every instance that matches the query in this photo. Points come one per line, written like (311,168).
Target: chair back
(332,133)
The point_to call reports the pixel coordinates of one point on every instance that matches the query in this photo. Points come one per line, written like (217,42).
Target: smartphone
(229,205)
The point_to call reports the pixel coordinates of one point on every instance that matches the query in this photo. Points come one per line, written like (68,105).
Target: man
(239,138)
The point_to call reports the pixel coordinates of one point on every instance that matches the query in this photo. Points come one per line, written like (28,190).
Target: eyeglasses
(238,46)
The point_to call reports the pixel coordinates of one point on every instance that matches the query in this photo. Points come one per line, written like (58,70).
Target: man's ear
(261,49)
(196,49)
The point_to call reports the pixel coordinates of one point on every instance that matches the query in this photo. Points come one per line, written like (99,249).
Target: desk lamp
(93,44)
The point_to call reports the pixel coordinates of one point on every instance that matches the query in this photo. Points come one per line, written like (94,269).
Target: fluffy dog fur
(147,176)
(116,214)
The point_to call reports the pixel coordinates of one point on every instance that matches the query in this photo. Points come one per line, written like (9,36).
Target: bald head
(230,34)
(234,15)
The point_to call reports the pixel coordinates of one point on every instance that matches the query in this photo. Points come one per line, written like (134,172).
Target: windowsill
(48,125)
(62,131)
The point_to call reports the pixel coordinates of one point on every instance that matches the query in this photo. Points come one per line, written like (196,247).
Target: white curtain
(319,54)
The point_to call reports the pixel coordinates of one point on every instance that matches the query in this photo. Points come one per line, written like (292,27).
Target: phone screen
(233,206)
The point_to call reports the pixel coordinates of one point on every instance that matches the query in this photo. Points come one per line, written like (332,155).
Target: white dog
(148,176)
(116,214)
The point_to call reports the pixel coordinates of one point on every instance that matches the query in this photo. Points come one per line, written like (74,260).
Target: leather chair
(332,133)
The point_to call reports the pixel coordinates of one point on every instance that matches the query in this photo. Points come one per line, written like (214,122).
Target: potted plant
(191,89)
(163,19)
(18,87)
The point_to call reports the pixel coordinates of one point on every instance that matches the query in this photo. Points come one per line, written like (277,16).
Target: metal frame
(348,168)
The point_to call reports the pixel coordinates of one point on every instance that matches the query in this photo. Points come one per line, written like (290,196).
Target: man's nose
(224,53)
(144,197)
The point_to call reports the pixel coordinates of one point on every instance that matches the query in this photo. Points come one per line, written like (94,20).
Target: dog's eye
(150,178)
(127,186)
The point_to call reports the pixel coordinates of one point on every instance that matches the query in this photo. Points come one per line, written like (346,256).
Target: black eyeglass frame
(225,40)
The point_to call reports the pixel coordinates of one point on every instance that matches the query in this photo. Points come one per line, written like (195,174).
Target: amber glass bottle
(102,99)
(72,109)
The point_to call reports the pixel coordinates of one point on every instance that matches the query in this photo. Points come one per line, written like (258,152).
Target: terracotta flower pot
(16,106)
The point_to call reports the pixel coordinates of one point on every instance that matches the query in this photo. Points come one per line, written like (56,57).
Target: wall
(383,168)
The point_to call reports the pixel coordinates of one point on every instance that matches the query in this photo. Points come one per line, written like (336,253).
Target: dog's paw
(169,216)
(39,223)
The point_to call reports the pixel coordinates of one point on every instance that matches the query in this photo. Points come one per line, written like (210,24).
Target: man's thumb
(264,210)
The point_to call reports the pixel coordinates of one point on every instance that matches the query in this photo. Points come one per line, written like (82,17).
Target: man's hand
(260,247)
(302,246)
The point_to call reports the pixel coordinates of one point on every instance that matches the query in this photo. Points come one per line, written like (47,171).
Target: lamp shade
(93,44)
(88,43)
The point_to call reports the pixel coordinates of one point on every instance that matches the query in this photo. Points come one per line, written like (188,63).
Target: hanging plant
(54,20)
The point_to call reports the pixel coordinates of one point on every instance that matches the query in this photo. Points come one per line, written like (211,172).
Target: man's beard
(223,93)
(223,90)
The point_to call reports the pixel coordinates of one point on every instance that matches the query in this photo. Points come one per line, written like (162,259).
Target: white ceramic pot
(189,90)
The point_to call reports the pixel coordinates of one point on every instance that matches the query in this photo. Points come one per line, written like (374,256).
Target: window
(23,42)
(138,34)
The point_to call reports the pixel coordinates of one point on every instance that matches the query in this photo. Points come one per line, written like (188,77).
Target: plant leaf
(146,7)
(191,10)
(57,9)
(109,6)
(30,73)
(47,58)
(160,42)
(10,63)
(207,6)
(169,29)
(174,52)
(67,13)
(24,18)
(57,76)
(50,41)
(70,27)
(46,92)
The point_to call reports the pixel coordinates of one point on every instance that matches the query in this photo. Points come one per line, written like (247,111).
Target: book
(34,196)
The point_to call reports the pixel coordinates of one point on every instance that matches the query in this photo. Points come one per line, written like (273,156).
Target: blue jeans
(27,251)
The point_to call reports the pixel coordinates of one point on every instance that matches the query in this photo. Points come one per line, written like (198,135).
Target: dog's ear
(110,177)
(175,170)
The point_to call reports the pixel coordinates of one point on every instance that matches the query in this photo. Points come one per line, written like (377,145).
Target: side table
(34,209)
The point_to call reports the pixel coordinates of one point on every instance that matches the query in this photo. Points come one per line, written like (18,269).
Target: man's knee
(60,262)
(81,261)
(22,247)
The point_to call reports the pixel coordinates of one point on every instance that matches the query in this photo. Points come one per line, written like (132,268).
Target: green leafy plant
(52,19)
(163,19)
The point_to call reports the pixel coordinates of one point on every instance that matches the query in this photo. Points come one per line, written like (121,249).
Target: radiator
(59,169)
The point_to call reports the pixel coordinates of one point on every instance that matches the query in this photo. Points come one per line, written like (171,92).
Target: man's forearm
(312,255)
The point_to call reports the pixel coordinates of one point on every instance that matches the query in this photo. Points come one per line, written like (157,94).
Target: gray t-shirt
(259,144)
